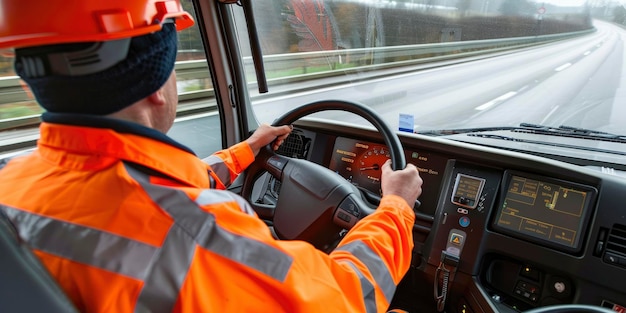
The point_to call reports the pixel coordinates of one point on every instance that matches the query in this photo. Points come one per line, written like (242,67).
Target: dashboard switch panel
(527,290)
(525,284)
(347,214)
(468,195)
(467,189)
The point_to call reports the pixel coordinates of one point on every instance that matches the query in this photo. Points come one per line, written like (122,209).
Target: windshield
(426,66)
(429,65)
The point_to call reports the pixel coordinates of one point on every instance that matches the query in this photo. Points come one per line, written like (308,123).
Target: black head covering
(146,67)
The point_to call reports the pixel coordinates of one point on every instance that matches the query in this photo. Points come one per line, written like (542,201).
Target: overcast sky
(577,2)
(563,2)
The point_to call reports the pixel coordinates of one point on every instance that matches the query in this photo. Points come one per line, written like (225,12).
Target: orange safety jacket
(126,220)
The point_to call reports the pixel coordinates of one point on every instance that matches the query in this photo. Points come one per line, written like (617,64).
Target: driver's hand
(267,134)
(405,183)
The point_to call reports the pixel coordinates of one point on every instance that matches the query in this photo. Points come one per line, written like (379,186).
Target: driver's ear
(157,97)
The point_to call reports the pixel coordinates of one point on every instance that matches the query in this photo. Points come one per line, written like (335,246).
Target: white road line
(194,116)
(499,99)
(549,114)
(562,67)
(338,87)
(587,53)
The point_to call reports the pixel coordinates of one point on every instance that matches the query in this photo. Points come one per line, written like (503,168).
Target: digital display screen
(549,211)
(360,162)
(467,190)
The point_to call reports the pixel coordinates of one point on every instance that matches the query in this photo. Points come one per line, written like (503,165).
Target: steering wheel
(570,308)
(315,204)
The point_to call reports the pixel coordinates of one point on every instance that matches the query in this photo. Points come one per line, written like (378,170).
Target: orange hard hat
(27,23)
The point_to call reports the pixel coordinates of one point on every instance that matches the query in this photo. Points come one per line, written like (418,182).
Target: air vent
(615,252)
(295,146)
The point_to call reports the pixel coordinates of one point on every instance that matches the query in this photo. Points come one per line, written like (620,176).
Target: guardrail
(380,57)
(293,67)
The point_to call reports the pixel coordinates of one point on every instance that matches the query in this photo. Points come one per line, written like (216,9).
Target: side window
(17,104)
(197,124)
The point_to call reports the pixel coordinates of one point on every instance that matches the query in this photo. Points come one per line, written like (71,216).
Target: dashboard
(359,161)
(511,231)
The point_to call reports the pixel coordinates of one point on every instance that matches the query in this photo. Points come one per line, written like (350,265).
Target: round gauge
(368,167)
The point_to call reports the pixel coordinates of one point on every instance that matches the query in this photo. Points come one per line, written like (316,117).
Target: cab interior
(473,251)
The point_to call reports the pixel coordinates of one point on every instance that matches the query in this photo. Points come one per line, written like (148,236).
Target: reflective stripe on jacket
(127,223)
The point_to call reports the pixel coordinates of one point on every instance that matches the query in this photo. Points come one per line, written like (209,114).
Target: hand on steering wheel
(311,195)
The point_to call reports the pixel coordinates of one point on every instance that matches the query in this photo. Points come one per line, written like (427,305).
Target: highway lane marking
(522,89)
(587,53)
(352,85)
(493,102)
(549,114)
(194,116)
(562,67)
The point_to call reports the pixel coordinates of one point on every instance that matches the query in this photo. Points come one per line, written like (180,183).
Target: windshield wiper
(569,131)
(444,132)
(563,131)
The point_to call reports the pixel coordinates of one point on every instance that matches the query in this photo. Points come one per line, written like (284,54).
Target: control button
(276,162)
(599,248)
(559,286)
(456,239)
(350,207)
(613,306)
(344,219)
(346,214)
(464,221)
(615,259)
(527,290)
(343,216)
(618,308)
(530,272)
(462,211)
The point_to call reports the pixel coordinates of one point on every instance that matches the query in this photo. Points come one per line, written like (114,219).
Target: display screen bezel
(458,180)
(588,205)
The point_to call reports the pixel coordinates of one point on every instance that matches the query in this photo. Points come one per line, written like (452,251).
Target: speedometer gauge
(369,165)
(359,162)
